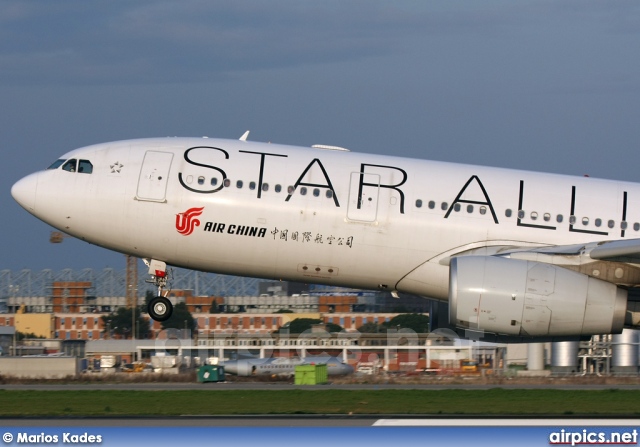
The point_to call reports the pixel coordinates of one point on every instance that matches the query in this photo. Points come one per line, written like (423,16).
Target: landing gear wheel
(160,308)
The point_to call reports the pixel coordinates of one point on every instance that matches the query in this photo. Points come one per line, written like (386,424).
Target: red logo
(186,222)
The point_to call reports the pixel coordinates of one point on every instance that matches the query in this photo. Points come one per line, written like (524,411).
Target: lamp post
(133,332)
(13,290)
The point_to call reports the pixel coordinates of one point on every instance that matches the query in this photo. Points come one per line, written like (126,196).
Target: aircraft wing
(584,258)
(627,250)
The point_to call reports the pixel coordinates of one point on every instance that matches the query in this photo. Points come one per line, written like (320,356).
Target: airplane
(284,366)
(513,254)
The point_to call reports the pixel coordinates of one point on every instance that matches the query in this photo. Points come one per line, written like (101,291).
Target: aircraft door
(364,191)
(154,176)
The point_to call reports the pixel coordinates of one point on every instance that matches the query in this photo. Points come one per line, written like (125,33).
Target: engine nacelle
(525,298)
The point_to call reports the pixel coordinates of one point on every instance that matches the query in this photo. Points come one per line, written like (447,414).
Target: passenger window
(252,185)
(508,212)
(85,167)
(469,208)
(265,187)
(418,203)
(329,194)
(534,215)
(585,221)
(290,189)
(239,184)
(623,225)
(521,214)
(227,182)
(546,217)
(316,192)
(636,226)
(56,164)
(572,220)
(598,222)
(456,207)
(70,166)
(611,224)
(278,188)
(559,218)
(432,204)
(200,180)
(303,191)
(214,181)
(483,210)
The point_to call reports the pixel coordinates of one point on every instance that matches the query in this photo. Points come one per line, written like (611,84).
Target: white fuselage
(313,215)
(284,366)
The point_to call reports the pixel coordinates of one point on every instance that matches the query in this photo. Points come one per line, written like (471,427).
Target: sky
(537,85)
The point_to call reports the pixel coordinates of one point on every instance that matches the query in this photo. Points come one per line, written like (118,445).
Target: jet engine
(524,298)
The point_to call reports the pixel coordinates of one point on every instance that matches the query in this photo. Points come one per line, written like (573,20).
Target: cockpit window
(85,167)
(56,164)
(70,165)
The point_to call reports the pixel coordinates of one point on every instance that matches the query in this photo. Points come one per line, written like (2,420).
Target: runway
(181,386)
(315,421)
(195,421)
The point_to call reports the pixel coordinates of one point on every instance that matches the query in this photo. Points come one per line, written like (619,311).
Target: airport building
(74,305)
(68,308)
(88,290)
(84,326)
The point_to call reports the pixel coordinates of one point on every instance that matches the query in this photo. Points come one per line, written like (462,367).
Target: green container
(311,374)
(211,373)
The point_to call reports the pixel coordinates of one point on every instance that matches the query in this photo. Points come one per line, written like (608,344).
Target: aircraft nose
(231,367)
(347,369)
(24,192)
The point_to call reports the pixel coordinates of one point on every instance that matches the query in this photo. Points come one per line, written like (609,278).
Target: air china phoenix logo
(186,222)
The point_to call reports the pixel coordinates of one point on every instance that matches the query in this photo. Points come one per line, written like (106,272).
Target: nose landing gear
(160,308)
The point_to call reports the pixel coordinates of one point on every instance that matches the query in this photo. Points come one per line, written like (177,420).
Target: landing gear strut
(160,308)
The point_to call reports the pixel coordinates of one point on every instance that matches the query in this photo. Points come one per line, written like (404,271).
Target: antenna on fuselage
(244,136)
(330,148)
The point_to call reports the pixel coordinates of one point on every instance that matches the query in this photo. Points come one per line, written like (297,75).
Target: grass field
(233,402)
